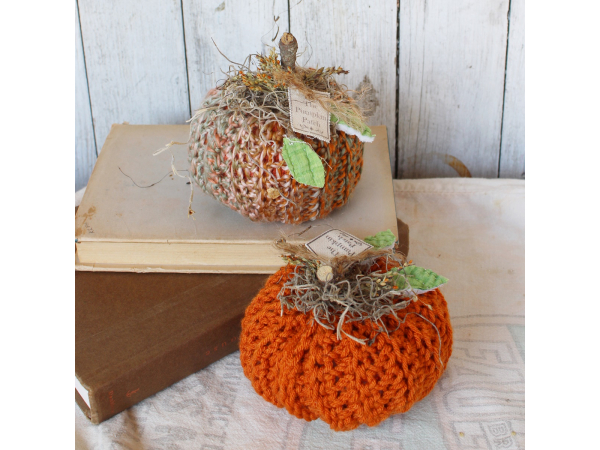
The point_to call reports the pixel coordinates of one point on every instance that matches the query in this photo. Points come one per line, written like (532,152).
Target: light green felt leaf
(419,278)
(365,131)
(305,165)
(399,282)
(381,239)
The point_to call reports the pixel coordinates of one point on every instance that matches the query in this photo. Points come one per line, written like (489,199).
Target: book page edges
(177,257)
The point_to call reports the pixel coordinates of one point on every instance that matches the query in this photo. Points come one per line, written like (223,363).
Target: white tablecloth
(469,230)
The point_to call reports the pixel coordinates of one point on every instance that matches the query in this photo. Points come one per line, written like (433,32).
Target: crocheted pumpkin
(294,363)
(233,164)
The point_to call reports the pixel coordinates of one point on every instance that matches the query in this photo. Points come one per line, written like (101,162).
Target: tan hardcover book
(134,214)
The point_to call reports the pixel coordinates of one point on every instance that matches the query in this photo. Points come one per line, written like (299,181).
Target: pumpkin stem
(288,46)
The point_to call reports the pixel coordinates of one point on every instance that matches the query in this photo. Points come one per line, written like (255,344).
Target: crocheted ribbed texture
(295,363)
(238,168)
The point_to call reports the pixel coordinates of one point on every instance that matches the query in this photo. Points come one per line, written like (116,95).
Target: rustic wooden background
(447,77)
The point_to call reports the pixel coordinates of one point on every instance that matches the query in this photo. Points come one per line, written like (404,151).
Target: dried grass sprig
(362,287)
(262,93)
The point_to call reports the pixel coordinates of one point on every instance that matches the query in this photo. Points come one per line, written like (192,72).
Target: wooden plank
(360,36)
(239,28)
(135,60)
(512,151)
(85,145)
(451,83)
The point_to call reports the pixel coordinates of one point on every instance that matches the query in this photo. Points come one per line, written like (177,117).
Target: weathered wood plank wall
(452,60)
(512,155)
(360,36)
(237,28)
(447,77)
(85,142)
(135,61)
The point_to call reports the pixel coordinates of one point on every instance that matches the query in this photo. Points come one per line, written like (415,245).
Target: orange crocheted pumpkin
(294,363)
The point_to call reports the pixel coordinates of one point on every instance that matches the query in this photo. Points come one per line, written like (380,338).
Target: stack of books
(159,294)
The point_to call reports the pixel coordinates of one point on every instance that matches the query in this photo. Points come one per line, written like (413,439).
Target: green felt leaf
(399,281)
(418,278)
(365,131)
(382,239)
(305,165)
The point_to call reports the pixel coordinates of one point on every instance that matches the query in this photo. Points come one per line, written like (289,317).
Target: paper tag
(307,116)
(337,243)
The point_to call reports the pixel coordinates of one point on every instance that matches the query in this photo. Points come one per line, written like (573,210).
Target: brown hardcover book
(138,333)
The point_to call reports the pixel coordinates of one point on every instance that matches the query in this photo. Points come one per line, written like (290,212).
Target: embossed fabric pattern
(248,174)
(471,231)
(294,363)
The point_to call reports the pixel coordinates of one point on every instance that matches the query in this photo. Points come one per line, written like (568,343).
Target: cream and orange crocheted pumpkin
(233,164)
(237,149)
(299,365)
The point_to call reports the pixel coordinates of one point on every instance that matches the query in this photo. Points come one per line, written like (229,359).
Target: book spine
(164,370)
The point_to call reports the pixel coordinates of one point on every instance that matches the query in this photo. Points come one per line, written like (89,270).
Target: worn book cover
(136,334)
(134,214)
